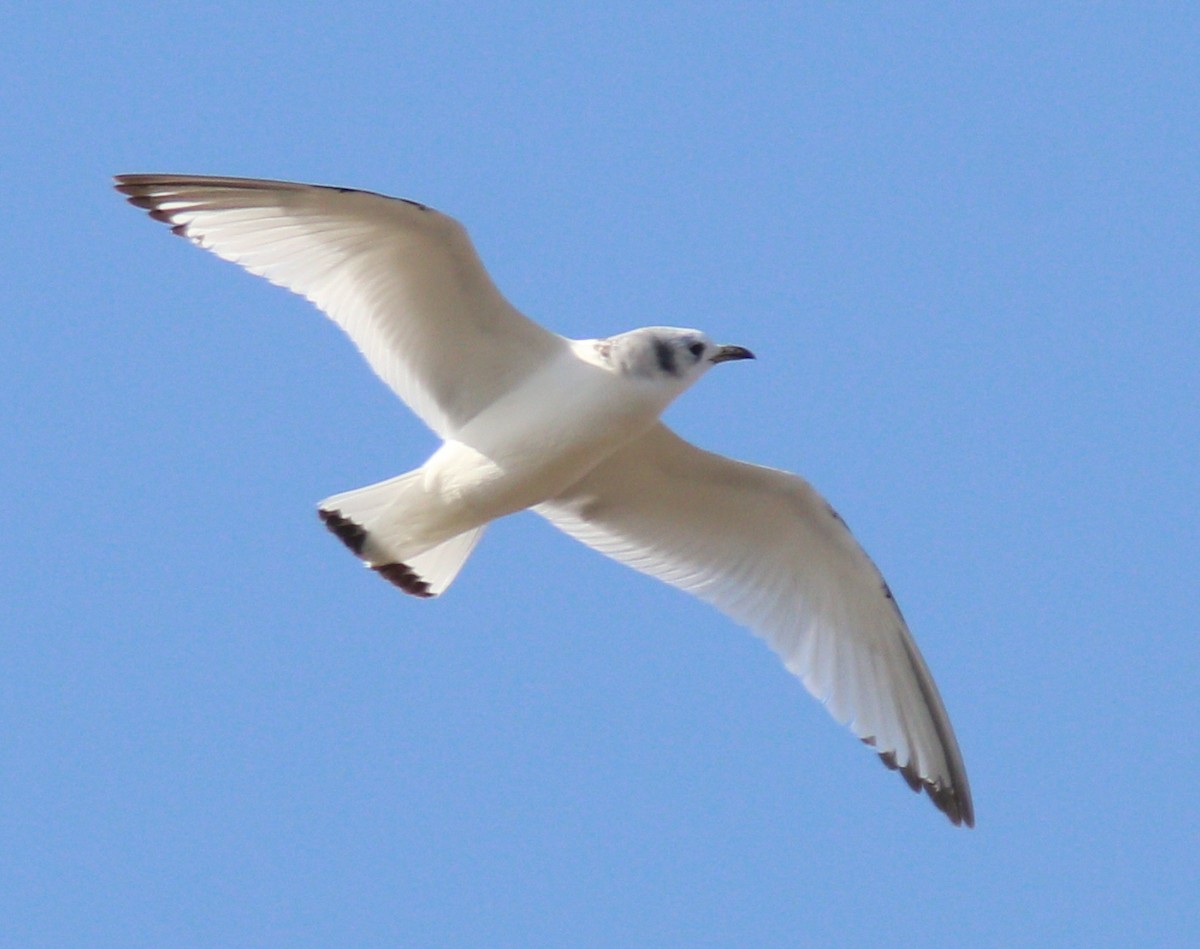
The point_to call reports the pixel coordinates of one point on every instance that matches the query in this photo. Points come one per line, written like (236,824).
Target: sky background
(962,239)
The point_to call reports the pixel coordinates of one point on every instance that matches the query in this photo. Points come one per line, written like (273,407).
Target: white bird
(570,428)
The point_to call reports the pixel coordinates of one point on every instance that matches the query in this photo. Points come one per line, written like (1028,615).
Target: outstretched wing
(764,547)
(401,279)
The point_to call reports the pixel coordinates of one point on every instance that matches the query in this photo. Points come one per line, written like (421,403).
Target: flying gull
(571,429)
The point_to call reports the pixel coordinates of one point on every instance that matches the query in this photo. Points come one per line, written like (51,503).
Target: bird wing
(402,280)
(762,546)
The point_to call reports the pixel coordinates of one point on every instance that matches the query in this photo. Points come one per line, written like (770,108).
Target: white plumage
(570,428)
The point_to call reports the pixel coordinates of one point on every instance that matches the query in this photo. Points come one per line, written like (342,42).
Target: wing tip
(141,183)
(953,800)
(148,192)
(139,191)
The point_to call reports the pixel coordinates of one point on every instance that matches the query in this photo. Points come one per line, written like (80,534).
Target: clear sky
(962,239)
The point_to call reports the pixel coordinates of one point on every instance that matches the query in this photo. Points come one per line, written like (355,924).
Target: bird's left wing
(401,279)
(764,547)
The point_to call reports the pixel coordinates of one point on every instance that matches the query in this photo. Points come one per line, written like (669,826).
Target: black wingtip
(136,193)
(948,800)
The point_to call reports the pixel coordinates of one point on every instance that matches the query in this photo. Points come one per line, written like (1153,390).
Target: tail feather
(439,566)
(399,574)
(381,523)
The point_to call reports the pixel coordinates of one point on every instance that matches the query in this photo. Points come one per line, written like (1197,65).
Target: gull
(570,429)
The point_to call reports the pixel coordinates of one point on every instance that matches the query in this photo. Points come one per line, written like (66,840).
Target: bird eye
(696,349)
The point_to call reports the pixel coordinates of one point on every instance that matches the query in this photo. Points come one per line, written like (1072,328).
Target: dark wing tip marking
(137,194)
(376,194)
(354,536)
(945,799)
(402,576)
(139,188)
(348,532)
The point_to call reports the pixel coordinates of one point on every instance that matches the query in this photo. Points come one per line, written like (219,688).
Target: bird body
(571,430)
(526,448)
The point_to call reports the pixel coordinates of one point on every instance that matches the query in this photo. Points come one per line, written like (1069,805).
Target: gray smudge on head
(665,355)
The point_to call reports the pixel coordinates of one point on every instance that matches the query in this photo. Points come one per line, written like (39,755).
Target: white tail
(382,524)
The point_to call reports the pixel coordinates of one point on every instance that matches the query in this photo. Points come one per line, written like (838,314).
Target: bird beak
(726,353)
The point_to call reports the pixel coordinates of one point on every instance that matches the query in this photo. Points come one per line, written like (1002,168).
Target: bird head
(667,355)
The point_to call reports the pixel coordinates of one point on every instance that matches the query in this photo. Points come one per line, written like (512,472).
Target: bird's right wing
(401,279)
(764,547)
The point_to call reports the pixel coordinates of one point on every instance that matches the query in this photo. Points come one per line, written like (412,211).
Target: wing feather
(765,548)
(401,279)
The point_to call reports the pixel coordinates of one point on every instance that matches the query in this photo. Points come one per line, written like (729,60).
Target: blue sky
(962,240)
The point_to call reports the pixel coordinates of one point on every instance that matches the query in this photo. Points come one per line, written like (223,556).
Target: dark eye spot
(665,356)
(696,349)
